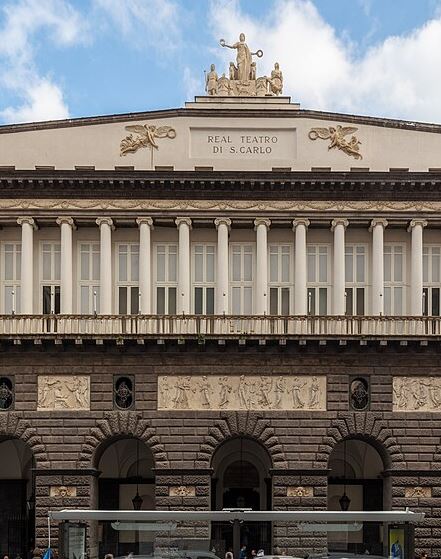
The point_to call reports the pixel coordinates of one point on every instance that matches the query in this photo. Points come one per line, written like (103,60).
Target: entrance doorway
(126,482)
(17,499)
(356,483)
(241,480)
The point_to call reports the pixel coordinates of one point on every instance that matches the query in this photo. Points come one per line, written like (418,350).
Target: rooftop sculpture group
(243,80)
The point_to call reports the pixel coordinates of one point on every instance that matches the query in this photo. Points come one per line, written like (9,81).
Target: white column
(184,226)
(67,225)
(416,227)
(27,264)
(338,226)
(300,227)
(223,225)
(377,228)
(145,225)
(261,226)
(106,227)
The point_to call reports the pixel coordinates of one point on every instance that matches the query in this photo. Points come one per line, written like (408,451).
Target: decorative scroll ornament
(336,135)
(147,134)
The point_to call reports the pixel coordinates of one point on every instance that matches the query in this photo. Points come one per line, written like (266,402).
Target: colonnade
(223,225)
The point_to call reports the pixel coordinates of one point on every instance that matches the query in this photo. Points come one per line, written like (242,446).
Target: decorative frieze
(244,392)
(63,392)
(62,491)
(182,491)
(412,394)
(299,491)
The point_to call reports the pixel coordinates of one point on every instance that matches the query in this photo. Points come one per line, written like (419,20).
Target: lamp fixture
(344,500)
(137,499)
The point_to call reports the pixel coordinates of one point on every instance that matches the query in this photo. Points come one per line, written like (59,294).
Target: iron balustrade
(218,326)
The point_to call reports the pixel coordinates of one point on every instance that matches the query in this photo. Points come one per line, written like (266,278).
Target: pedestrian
(243,552)
(108,556)
(253,554)
(229,554)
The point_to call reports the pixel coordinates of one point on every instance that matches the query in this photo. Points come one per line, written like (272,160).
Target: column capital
(183,221)
(222,221)
(27,219)
(66,220)
(262,221)
(378,221)
(300,221)
(145,221)
(339,221)
(415,222)
(105,221)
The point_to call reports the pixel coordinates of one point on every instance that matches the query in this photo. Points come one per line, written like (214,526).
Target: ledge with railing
(215,326)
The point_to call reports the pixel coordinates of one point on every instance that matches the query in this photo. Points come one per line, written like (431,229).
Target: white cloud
(395,78)
(41,98)
(145,23)
(192,84)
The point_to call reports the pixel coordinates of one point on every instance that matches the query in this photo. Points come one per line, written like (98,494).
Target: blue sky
(71,58)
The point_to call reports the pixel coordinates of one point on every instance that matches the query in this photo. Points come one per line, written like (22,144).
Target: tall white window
(355,271)
(50,277)
(89,284)
(204,258)
(242,278)
(128,278)
(318,279)
(11,276)
(394,280)
(166,278)
(279,275)
(431,280)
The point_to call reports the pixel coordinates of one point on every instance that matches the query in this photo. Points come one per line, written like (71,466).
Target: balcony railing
(199,326)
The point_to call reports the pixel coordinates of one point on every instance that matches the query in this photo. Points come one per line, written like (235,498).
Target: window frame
(280,284)
(392,284)
(14,283)
(242,283)
(92,284)
(128,283)
(316,285)
(204,284)
(52,283)
(354,284)
(167,283)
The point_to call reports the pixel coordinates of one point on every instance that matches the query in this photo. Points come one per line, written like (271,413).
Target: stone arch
(13,426)
(119,424)
(234,424)
(369,427)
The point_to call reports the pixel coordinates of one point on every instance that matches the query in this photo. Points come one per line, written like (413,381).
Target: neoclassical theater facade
(231,304)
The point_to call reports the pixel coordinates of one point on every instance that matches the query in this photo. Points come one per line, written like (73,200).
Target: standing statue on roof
(244,57)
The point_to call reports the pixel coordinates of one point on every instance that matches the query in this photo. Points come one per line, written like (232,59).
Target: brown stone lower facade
(185,449)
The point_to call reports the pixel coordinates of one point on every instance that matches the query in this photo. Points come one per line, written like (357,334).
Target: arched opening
(357,483)
(17,498)
(126,482)
(241,480)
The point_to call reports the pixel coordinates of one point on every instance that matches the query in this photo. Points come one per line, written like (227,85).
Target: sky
(74,58)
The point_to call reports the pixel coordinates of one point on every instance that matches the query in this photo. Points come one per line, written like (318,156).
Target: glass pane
(360,268)
(84,300)
(172,264)
(134,300)
(248,266)
(274,307)
(172,300)
(387,266)
(387,301)
(122,270)
(160,266)
(9,265)
(349,272)
(285,301)
(285,265)
(435,268)
(122,300)
(57,299)
(274,259)
(235,300)
(210,300)
(160,300)
(134,264)
(198,297)
(311,300)
(210,264)
(398,301)
(57,262)
(323,268)
(248,300)
(426,265)
(18,263)
(96,264)
(46,265)
(360,301)
(46,299)
(236,264)
(199,267)
(398,267)
(84,273)
(311,266)
(349,301)
(9,289)
(435,301)
(323,301)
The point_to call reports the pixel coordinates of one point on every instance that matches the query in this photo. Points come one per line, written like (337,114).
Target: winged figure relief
(146,136)
(337,136)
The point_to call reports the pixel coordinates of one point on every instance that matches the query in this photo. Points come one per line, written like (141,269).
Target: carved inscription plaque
(417,394)
(245,392)
(64,392)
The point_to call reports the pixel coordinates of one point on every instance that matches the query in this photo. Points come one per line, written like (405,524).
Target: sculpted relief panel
(417,394)
(64,392)
(216,392)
